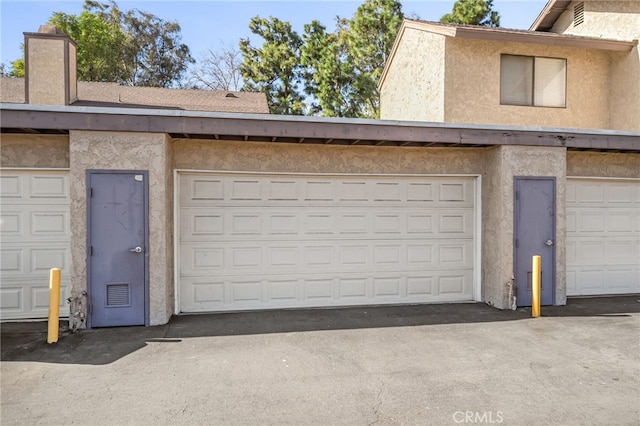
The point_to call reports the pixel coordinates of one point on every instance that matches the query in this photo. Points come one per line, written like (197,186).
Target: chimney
(50,67)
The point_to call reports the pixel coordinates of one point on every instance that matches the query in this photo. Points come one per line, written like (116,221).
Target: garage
(34,227)
(603,236)
(260,241)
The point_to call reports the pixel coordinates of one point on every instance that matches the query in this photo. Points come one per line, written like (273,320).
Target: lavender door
(117,246)
(535,230)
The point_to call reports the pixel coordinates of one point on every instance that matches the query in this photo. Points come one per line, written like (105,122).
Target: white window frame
(532,101)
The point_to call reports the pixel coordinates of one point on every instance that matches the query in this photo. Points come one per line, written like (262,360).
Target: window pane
(516,80)
(550,82)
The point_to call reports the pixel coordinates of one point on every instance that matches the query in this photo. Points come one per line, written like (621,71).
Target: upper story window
(533,81)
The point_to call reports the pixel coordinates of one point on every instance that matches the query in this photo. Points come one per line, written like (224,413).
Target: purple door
(535,230)
(117,247)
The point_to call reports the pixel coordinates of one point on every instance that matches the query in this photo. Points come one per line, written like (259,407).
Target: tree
(328,74)
(99,43)
(133,47)
(473,12)
(152,53)
(218,70)
(274,68)
(371,34)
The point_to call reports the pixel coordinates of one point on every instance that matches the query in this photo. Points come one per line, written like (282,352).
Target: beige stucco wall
(73,73)
(473,86)
(605,19)
(618,20)
(413,88)
(126,151)
(297,158)
(34,151)
(502,164)
(46,71)
(601,164)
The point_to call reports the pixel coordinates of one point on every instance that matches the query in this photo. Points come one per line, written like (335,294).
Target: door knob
(136,249)
(549,243)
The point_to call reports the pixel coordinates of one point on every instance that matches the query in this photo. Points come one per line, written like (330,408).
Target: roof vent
(578,14)
(230,95)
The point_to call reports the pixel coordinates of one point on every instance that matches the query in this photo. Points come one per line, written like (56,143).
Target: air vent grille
(578,14)
(118,295)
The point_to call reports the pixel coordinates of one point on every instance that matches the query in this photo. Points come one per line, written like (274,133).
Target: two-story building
(158,202)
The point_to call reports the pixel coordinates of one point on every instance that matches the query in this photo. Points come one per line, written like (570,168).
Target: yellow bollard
(536,284)
(54,305)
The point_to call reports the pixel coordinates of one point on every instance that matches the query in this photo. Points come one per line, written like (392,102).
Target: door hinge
(517,195)
(90,250)
(89,308)
(517,243)
(90,192)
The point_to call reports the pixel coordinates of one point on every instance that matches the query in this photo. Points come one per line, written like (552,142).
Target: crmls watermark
(478,417)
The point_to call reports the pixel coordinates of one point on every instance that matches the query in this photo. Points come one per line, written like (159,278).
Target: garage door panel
(299,223)
(273,241)
(603,236)
(317,290)
(34,230)
(298,257)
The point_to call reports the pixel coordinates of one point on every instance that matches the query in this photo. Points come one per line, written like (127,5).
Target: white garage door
(603,236)
(34,227)
(273,241)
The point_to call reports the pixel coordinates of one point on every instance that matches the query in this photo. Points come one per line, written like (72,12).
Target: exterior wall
(45,69)
(126,151)
(625,90)
(617,20)
(606,19)
(73,73)
(473,86)
(414,85)
(600,164)
(34,151)
(296,158)
(502,164)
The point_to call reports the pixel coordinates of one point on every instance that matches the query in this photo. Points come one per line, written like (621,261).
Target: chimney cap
(49,29)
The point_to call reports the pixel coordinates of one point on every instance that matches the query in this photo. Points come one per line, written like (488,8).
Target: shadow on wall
(26,342)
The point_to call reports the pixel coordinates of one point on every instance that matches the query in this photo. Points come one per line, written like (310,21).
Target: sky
(208,24)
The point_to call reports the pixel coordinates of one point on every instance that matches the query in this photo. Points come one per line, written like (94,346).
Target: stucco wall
(126,151)
(502,164)
(625,90)
(45,71)
(606,19)
(601,164)
(473,86)
(35,151)
(297,158)
(414,85)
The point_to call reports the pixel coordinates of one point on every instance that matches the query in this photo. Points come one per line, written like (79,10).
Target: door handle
(549,243)
(136,249)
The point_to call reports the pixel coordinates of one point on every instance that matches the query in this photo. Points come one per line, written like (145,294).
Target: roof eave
(308,130)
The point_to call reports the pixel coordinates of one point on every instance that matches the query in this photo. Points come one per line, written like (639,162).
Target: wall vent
(578,14)
(118,295)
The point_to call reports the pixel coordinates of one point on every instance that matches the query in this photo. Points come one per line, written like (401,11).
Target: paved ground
(431,364)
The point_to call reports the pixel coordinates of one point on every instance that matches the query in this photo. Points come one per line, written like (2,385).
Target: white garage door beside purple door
(249,241)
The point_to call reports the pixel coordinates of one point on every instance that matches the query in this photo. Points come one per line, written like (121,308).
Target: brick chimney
(50,67)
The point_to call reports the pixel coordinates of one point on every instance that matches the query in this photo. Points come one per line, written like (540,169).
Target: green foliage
(132,47)
(371,34)
(17,68)
(335,72)
(98,41)
(473,12)
(274,68)
(151,53)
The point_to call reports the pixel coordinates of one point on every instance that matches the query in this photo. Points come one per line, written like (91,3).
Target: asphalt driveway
(429,364)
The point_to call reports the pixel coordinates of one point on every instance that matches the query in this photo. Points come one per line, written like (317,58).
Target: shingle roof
(114,95)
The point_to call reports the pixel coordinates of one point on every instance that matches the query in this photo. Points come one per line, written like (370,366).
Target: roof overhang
(549,15)
(521,36)
(502,35)
(39,119)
